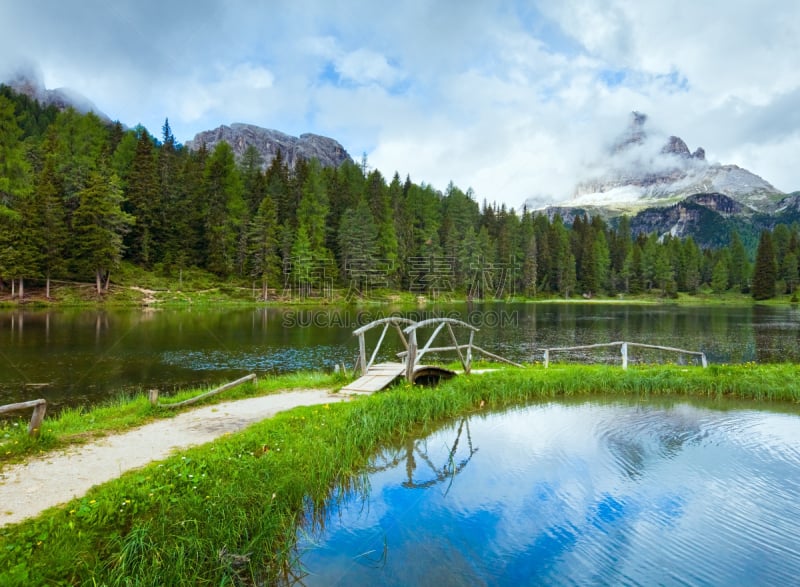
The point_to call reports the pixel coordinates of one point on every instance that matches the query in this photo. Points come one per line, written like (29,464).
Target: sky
(514,99)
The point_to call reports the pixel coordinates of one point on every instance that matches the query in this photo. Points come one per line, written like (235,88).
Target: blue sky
(513,99)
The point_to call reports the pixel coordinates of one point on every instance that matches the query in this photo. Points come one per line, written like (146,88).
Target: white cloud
(512,99)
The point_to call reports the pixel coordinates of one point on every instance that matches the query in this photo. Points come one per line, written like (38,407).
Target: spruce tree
(225,210)
(739,274)
(765,272)
(47,223)
(15,177)
(143,202)
(720,275)
(264,261)
(98,227)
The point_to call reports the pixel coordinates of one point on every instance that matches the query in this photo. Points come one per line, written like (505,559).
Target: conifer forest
(79,195)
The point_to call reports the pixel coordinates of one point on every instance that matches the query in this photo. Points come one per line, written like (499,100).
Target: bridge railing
(413,354)
(395,321)
(624,351)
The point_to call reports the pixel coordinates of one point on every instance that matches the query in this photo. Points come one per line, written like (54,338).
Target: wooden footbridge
(375,377)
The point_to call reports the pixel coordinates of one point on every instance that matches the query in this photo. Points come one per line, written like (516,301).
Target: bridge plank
(378,377)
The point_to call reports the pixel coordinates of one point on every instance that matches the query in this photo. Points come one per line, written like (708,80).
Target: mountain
(711,217)
(27,80)
(643,170)
(268,142)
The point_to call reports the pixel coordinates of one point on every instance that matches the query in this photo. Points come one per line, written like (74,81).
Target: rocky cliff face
(268,142)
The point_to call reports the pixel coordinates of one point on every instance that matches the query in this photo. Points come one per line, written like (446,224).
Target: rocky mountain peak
(643,169)
(27,79)
(268,142)
(634,134)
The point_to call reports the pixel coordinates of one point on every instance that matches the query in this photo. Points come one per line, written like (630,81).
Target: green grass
(227,513)
(197,287)
(79,425)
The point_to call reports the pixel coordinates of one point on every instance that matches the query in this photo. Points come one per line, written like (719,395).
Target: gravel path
(29,488)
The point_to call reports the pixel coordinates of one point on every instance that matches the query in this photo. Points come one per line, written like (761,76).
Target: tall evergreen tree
(15,178)
(254,185)
(721,274)
(263,245)
(143,202)
(225,210)
(358,248)
(739,273)
(98,227)
(47,223)
(765,272)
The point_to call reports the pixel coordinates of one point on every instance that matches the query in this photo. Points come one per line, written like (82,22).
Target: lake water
(80,357)
(574,494)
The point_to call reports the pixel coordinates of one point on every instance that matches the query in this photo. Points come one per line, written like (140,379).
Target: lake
(79,357)
(573,494)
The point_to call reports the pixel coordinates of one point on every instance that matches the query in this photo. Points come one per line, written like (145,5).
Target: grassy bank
(226,513)
(134,286)
(78,425)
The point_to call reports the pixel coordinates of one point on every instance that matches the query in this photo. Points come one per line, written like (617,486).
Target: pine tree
(692,258)
(765,272)
(739,273)
(302,272)
(358,247)
(98,227)
(720,275)
(143,202)
(47,222)
(263,245)
(15,177)
(254,185)
(789,271)
(225,210)
(313,211)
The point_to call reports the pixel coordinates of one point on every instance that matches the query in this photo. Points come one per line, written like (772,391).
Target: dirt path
(32,487)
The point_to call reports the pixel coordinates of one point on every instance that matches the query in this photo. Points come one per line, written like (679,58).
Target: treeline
(78,195)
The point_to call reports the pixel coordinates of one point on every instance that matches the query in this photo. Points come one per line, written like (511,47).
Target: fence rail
(624,351)
(153,394)
(39,408)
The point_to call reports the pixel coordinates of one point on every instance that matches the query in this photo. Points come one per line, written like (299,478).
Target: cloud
(512,99)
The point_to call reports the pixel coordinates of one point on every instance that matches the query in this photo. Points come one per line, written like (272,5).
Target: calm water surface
(575,494)
(81,357)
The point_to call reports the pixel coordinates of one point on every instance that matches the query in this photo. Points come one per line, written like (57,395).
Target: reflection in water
(80,357)
(412,448)
(582,494)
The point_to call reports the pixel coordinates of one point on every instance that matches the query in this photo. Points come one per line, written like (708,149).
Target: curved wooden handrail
(395,321)
(389,320)
(437,321)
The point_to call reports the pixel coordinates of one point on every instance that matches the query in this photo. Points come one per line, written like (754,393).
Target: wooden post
(624,351)
(362,356)
(35,425)
(703,360)
(546,358)
(411,357)
(39,408)
(377,346)
(468,366)
(152,395)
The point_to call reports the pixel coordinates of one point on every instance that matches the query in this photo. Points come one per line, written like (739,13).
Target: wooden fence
(39,408)
(153,394)
(624,351)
